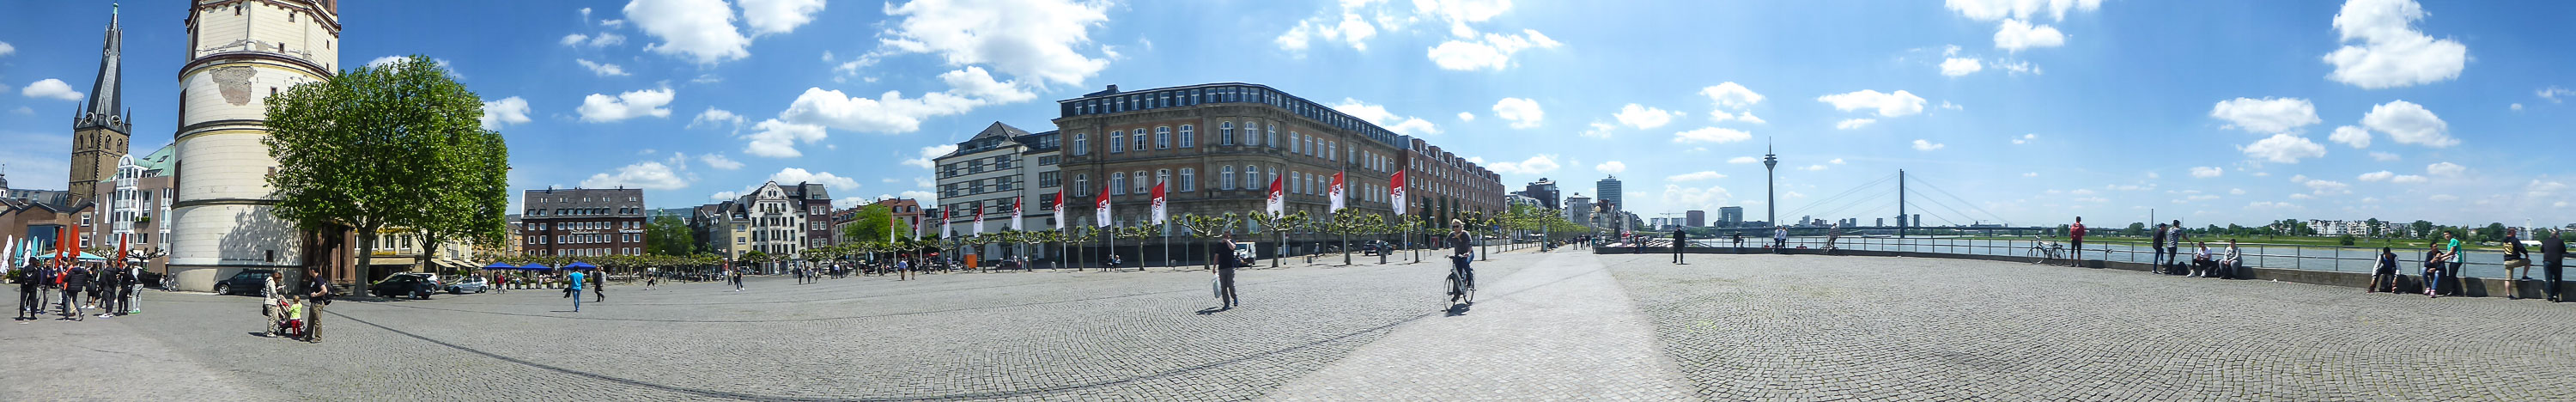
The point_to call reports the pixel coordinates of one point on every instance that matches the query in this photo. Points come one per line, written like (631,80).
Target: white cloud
(2017,68)
(1896,104)
(723,195)
(714,117)
(850,202)
(2444,198)
(928,154)
(2236,191)
(1350,29)
(1492,52)
(1990,10)
(698,30)
(604,39)
(2284,148)
(1695,176)
(2267,115)
(2409,123)
(647,175)
(1611,167)
(827,179)
(2383,156)
(1836,161)
(1848,124)
(2207,171)
(1600,130)
(2014,35)
(1523,113)
(2553,92)
(2328,187)
(1922,145)
(5,49)
(599,108)
(2275,205)
(2392,53)
(1642,117)
(777,139)
(2516,107)
(1743,159)
(50,88)
(719,161)
(574,39)
(2349,135)
(1961,66)
(1022,38)
(1536,164)
(778,16)
(1813,168)
(2302,196)
(602,69)
(1731,94)
(922,196)
(1708,198)
(507,111)
(2378,176)
(891,113)
(1378,115)
(2030,174)
(2445,169)
(1465,116)
(1718,135)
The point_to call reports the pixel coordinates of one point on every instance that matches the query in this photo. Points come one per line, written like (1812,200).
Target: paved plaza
(1551,326)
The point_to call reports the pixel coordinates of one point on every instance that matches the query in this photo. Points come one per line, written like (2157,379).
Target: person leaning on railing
(2516,260)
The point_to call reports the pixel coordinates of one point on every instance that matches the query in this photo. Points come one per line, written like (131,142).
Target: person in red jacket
(2076,232)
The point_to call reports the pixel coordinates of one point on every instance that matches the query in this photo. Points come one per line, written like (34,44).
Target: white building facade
(997,169)
(240,52)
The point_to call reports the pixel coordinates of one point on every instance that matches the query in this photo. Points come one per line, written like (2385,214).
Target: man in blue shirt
(576,291)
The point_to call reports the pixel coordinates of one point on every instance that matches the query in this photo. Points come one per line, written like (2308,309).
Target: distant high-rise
(1730,216)
(1544,191)
(1609,190)
(1695,218)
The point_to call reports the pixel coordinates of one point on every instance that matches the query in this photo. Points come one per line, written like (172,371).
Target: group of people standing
(295,312)
(2443,259)
(81,288)
(2167,245)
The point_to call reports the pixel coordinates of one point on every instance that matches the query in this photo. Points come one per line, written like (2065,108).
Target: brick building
(582,222)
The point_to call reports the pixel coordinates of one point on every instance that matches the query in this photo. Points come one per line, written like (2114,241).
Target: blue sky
(2029,112)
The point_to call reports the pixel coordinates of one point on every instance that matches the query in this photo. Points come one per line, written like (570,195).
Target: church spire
(105,100)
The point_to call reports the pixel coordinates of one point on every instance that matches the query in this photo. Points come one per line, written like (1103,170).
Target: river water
(2481,264)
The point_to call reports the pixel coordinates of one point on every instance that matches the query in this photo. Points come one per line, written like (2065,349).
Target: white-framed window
(1225,177)
(1142,187)
(1140,138)
(1081,144)
(1163,176)
(1226,130)
(1189,137)
(1293,144)
(1332,151)
(1082,184)
(1163,137)
(1272,137)
(1117,141)
(1252,178)
(1118,183)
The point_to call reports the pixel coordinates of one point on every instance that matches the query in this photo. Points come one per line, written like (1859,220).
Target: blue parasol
(536,267)
(581,266)
(497,265)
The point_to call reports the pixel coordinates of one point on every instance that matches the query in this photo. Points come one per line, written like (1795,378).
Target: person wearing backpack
(317,295)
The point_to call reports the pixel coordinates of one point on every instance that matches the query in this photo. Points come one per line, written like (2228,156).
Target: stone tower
(239,53)
(100,132)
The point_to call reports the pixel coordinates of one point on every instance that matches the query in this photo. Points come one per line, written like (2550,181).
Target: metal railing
(2484,264)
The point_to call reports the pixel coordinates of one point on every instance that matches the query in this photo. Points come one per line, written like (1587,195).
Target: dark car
(247,281)
(417,286)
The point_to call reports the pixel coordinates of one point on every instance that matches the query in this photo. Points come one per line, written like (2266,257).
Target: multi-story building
(723,228)
(1544,190)
(1610,191)
(222,221)
(1732,216)
(1695,218)
(135,204)
(100,131)
(582,222)
(776,220)
(1578,208)
(904,211)
(1218,147)
(995,170)
(810,200)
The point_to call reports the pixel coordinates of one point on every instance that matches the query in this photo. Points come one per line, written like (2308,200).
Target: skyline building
(1610,190)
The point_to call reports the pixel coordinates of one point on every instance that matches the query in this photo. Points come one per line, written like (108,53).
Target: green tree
(397,145)
(873,222)
(2135,228)
(2423,228)
(669,235)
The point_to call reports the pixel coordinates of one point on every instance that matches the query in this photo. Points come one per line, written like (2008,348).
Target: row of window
(590,252)
(542,200)
(1254,134)
(1178,97)
(578,239)
(1296,182)
(585,211)
(588,225)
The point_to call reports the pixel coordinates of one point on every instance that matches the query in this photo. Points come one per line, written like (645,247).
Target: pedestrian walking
(1780,240)
(28,295)
(575,287)
(598,287)
(1226,263)
(317,295)
(75,283)
(1679,239)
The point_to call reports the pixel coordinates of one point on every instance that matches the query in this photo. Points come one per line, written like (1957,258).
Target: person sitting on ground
(2383,275)
(2234,261)
(2516,261)
(2203,261)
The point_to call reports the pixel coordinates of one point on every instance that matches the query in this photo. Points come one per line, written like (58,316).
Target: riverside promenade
(1566,325)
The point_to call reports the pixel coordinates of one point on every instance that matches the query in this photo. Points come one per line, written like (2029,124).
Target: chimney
(1113,88)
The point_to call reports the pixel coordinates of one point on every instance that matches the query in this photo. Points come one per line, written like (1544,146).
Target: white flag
(1336,191)
(1277,204)
(1060,217)
(1158,203)
(1015,215)
(1395,193)
(1100,209)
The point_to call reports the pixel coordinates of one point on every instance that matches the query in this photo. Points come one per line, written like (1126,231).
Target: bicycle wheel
(1454,290)
(2036,257)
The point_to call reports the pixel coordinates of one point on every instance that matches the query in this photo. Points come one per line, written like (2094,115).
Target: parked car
(247,281)
(1247,251)
(418,286)
(471,284)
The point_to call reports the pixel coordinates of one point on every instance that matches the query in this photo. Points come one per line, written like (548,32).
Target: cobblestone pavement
(1774,327)
(1549,327)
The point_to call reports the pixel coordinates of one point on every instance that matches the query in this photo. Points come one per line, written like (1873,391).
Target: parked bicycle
(2046,252)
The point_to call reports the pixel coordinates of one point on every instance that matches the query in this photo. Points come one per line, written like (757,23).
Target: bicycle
(1462,285)
(2043,251)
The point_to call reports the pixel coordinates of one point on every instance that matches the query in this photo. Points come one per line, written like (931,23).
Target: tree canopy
(397,144)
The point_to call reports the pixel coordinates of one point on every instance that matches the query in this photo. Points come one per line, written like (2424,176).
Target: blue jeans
(576,300)
(2432,281)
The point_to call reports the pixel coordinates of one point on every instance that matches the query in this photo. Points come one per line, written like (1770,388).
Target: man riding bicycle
(1462,253)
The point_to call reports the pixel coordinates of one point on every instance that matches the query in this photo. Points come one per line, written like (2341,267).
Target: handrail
(2298,257)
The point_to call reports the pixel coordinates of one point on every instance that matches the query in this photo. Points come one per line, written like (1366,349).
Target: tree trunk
(366,258)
